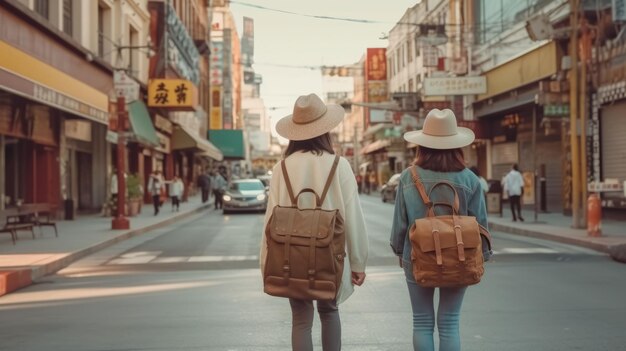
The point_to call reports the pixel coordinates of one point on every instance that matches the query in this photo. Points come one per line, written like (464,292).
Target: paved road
(196,286)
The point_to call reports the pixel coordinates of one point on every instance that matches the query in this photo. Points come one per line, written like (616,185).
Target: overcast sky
(287,39)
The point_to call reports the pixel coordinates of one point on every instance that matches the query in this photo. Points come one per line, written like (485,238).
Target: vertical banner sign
(215,121)
(227,92)
(593,142)
(375,77)
(217,62)
(247,42)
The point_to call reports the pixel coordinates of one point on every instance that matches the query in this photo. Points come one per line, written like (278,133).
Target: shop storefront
(523,130)
(53,117)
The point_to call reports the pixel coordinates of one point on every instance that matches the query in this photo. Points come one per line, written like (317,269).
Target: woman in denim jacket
(439,158)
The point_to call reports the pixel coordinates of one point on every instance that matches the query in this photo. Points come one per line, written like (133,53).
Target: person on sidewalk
(220,185)
(483,182)
(373,181)
(204,183)
(366,181)
(308,160)
(155,186)
(513,184)
(439,158)
(176,192)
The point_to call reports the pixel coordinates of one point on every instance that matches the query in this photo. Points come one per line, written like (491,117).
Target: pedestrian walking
(204,183)
(513,184)
(373,181)
(439,158)
(483,182)
(219,187)
(359,181)
(176,192)
(155,186)
(366,181)
(311,165)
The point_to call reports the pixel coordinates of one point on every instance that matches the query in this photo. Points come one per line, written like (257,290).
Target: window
(67,17)
(403,58)
(133,40)
(100,31)
(409,51)
(41,7)
(410,85)
(398,59)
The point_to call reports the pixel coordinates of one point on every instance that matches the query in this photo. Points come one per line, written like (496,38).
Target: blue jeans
(448,313)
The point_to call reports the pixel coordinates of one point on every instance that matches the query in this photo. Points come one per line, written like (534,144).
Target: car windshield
(252,185)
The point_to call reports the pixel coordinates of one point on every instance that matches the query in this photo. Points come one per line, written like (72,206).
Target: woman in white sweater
(308,159)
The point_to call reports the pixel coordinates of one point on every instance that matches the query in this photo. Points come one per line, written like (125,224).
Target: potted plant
(135,194)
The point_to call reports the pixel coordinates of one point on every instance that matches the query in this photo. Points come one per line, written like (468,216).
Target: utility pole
(585,37)
(574,154)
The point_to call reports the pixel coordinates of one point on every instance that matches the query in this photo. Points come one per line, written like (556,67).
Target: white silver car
(245,195)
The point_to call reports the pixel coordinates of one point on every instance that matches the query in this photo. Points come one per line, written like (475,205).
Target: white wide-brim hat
(441,132)
(310,118)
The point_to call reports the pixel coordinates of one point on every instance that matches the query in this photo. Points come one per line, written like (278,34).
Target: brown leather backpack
(305,248)
(447,251)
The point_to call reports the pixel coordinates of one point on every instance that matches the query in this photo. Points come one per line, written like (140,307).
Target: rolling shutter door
(613,139)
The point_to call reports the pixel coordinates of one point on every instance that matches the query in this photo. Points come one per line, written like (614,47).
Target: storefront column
(100,148)
(2,171)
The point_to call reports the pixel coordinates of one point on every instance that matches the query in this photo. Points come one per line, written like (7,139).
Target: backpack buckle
(286,268)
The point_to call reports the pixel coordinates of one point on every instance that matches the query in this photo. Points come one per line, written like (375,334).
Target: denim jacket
(409,204)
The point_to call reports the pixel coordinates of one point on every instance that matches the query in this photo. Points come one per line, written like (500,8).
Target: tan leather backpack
(305,248)
(447,251)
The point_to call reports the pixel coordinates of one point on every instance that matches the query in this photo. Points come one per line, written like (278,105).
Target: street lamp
(123,87)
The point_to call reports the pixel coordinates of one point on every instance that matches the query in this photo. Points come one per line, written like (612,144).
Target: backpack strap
(420,188)
(331,176)
(326,187)
(289,188)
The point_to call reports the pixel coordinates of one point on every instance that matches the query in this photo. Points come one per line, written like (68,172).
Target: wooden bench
(40,214)
(9,231)
(17,220)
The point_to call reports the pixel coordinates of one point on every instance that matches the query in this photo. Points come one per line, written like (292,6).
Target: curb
(604,248)
(11,280)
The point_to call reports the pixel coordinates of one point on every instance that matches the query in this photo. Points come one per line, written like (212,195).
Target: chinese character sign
(376,64)
(172,93)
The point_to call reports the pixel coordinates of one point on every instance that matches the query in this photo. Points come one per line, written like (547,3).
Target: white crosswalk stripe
(153,257)
(525,250)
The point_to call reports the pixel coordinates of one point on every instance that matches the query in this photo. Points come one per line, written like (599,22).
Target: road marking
(153,257)
(525,250)
(222,258)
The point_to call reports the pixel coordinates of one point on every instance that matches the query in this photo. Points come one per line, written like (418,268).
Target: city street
(195,285)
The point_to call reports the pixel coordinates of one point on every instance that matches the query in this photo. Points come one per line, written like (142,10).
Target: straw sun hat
(441,132)
(311,118)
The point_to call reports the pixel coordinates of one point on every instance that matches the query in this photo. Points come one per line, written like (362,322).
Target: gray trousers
(302,323)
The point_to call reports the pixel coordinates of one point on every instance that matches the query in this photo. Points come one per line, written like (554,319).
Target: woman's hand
(358,278)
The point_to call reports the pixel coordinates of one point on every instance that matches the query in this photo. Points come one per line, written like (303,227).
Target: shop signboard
(175,94)
(183,55)
(125,86)
(455,86)
(215,115)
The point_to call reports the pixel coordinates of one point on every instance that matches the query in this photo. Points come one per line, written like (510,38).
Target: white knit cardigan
(307,170)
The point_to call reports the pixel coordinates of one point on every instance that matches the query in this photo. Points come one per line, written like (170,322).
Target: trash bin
(494,198)
(69,209)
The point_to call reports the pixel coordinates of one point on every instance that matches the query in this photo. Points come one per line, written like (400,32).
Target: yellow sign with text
(175,94)
(216,121)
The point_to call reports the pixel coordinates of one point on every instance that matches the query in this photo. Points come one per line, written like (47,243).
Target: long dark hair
(316,146)
(451,160)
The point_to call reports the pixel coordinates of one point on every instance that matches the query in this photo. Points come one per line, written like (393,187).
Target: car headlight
(260,197)
(227,198)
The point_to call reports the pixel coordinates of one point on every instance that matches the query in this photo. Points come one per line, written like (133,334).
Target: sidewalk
(557,227)
(30,259)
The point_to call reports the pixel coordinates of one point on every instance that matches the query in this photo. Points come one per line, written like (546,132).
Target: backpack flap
(301,224)
(423,232)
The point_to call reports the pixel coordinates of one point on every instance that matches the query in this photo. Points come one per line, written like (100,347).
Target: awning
(229,142)
(375,146)
(376,128)
(183,139)
(142,129)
